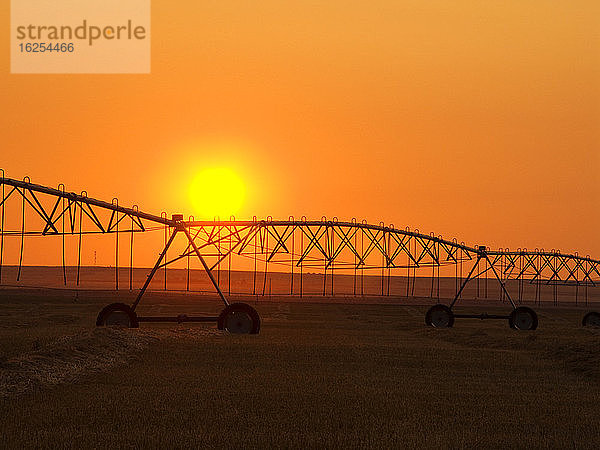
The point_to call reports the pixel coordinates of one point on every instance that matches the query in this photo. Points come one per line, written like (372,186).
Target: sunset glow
(300,224)
(217,192)
(477,121)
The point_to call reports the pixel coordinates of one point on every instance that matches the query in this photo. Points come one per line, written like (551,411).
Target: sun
(217,192)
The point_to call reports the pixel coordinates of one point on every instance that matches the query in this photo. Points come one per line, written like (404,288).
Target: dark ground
(318,375)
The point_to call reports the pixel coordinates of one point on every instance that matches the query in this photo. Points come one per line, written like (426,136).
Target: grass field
(318,375)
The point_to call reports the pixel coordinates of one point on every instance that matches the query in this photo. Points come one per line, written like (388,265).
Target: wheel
(523,318)
(239,318)
(118,314)
(591,319)
(439,316)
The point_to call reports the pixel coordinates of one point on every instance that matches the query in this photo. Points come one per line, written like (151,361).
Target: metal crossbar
(327,245)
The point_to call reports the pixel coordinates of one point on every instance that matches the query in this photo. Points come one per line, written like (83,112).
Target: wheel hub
(523,320)
(440,319)
(238,322)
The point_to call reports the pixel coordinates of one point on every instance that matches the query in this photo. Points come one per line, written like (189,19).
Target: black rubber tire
(240,307)
(114,307)
(436,309)
(591,319)
(512,319)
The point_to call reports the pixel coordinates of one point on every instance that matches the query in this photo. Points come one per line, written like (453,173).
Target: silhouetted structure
(326,245)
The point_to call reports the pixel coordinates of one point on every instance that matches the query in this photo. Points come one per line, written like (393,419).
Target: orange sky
(476,120)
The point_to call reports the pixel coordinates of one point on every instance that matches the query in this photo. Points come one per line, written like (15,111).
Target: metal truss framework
(328,245)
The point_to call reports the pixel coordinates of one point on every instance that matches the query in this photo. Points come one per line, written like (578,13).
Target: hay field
(318,375)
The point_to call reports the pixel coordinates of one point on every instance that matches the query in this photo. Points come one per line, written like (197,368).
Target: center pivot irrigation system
(327,245)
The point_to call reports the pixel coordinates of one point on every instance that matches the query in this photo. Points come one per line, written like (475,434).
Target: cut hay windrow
(70,357)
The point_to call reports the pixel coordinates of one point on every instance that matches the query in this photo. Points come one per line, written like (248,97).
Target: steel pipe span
(327,245)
